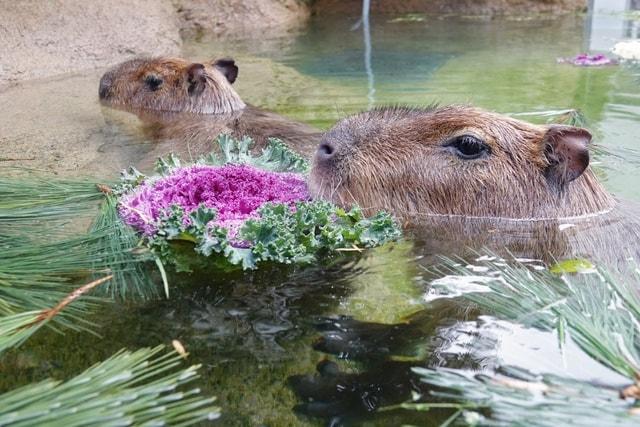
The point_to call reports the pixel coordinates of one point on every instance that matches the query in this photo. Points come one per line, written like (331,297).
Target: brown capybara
(172,84)
(467,178)
(187,105)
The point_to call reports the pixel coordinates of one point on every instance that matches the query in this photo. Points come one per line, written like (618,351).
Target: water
(251,332)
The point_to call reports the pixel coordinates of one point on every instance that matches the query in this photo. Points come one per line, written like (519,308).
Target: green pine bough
(600,312)
(514,397)
(145,387)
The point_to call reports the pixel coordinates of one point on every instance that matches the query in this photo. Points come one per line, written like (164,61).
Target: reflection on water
(252,331)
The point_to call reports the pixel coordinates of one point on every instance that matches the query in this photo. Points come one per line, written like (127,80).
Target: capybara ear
(228,67)
(196,79)
(567,153)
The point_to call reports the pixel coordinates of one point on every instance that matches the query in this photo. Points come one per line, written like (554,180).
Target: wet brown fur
(190,135)
(395,159)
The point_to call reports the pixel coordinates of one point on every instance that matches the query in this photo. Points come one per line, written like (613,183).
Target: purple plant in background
(586,60)
(235,191)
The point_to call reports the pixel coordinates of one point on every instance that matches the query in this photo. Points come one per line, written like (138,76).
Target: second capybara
(172,84)
(188,104)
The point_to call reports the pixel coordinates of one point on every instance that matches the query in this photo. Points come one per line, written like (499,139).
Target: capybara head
(456,160)
(172,84)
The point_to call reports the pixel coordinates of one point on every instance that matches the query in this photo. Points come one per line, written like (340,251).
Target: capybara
(172,84)
(462,178)
(189,104)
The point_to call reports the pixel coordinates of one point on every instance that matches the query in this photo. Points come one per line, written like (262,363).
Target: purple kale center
(236,192)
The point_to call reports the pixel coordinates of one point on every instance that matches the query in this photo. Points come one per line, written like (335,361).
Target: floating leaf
(577,265)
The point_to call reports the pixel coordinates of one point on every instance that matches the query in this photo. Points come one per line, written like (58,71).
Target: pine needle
(50,314)
(38,198)
(16,328)
(519,398)
(123,255)
(36,275)
(130,388)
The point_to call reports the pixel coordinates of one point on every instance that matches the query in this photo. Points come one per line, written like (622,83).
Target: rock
(234,18)
(44,38)
(47,38)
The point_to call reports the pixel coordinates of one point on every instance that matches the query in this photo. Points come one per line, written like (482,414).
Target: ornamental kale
(286,236)
(234,214)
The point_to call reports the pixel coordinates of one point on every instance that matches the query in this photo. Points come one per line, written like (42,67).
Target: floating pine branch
(38,199)
(518,398)
(600,311)
(130,388)
(36,275)
(123,255)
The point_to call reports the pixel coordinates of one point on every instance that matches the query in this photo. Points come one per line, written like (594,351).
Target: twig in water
(52,312)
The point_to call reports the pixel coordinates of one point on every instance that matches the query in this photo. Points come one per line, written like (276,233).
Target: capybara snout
(104,89)
(326,151)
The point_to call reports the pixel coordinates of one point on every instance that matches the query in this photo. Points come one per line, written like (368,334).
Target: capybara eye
(469,147)
(153,82)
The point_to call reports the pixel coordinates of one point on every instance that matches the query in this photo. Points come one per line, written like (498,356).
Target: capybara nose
(326,151)
(105,87)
